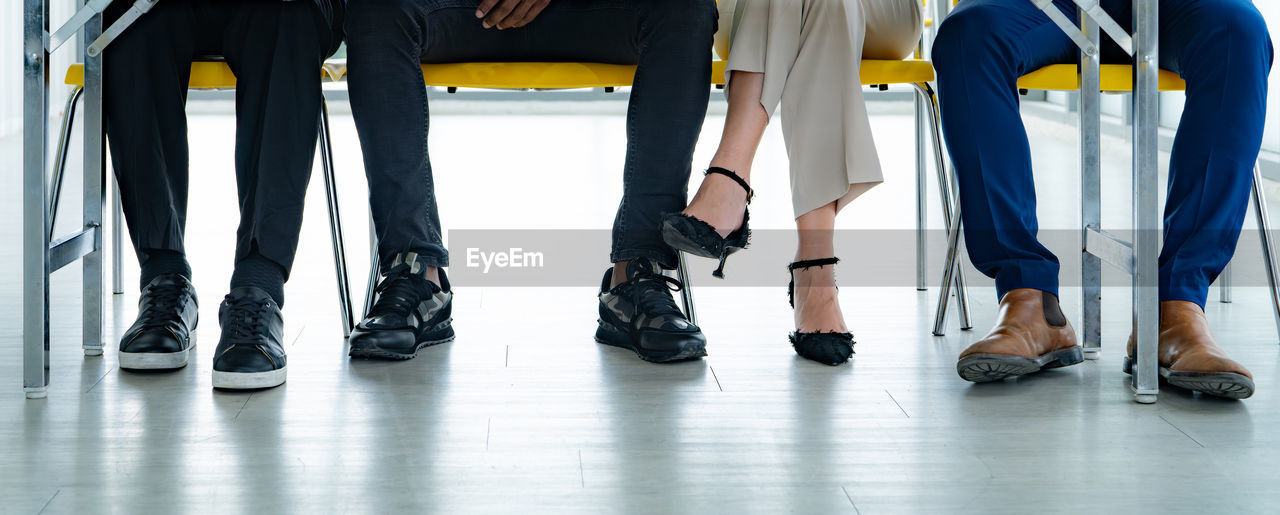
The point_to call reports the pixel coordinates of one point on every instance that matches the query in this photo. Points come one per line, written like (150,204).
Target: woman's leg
(720,201)
(817,305)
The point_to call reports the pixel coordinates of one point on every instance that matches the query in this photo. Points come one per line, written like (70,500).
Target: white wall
(11,69)
(1271,138)
(11,64)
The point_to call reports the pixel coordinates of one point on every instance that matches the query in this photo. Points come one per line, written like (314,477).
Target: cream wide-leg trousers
(810,52)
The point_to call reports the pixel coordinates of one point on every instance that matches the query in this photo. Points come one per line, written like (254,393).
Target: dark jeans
(275,50)
(1220,47)
(670,40)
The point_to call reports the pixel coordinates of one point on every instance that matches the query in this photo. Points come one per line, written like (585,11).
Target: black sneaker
(641,315)
(164,333)
(409,313)
(250,354)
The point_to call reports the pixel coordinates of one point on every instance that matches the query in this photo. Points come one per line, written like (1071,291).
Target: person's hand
(509,14)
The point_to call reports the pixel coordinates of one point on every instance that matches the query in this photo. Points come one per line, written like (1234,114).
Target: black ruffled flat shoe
(688,234)
(829,348)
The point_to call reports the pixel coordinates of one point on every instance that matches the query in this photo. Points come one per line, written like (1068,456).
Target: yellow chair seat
(217,75)
(596,75)
(204,75)
(1114,77)
(528,75)
(909,71)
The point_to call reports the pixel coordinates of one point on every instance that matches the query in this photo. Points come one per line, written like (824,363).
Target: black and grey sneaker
(250,354)
(409,313)
(641,315)
(164,333)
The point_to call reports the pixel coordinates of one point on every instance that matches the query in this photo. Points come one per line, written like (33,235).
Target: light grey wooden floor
(524,413)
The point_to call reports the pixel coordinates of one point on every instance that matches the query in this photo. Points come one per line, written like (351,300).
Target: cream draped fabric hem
(810,52)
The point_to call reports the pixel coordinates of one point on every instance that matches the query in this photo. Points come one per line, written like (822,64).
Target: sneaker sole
(156,360)
(614,338)
(248,380)
(1228,385)
(987,368)
(434,337)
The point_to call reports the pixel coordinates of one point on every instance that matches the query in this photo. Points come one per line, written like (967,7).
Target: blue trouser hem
(1196,291)
(1038,276)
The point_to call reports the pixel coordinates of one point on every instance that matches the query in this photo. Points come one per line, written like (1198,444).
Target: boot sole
(248,380)
(437,336)
(1228,385)
(986,368)
(156,360)
(607,335)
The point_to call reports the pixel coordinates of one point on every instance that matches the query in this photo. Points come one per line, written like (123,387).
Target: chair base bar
(1110,249)
(70,248)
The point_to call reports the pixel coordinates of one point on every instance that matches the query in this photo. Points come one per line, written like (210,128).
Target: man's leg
(413,308)
(147,69)
(1223,51)
(670,41)
(275,50)
(665,115)
(146,125)
(385,40)
(981,50)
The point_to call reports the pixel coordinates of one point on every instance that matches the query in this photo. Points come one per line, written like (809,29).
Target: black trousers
(670,40)
(275,49)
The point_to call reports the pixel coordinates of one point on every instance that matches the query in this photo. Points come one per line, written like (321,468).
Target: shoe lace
(398,294)
(245,318)
(651,293)
(162,307)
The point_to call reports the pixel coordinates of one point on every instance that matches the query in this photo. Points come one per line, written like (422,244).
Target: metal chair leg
(922,212)
(35,211)
(686,291)
(335,223)
(1090,137)
(117,239)
(948,192)
(949,270)
(1224,283)
(373,269)
(60,158)
(1268,244)
(1146,212)
(948,177)
(94,140)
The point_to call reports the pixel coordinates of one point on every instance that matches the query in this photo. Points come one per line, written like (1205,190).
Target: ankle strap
(810,263)
(736,178)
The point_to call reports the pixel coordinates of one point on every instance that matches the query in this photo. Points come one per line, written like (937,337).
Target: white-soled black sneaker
(164,333)
(250,353)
